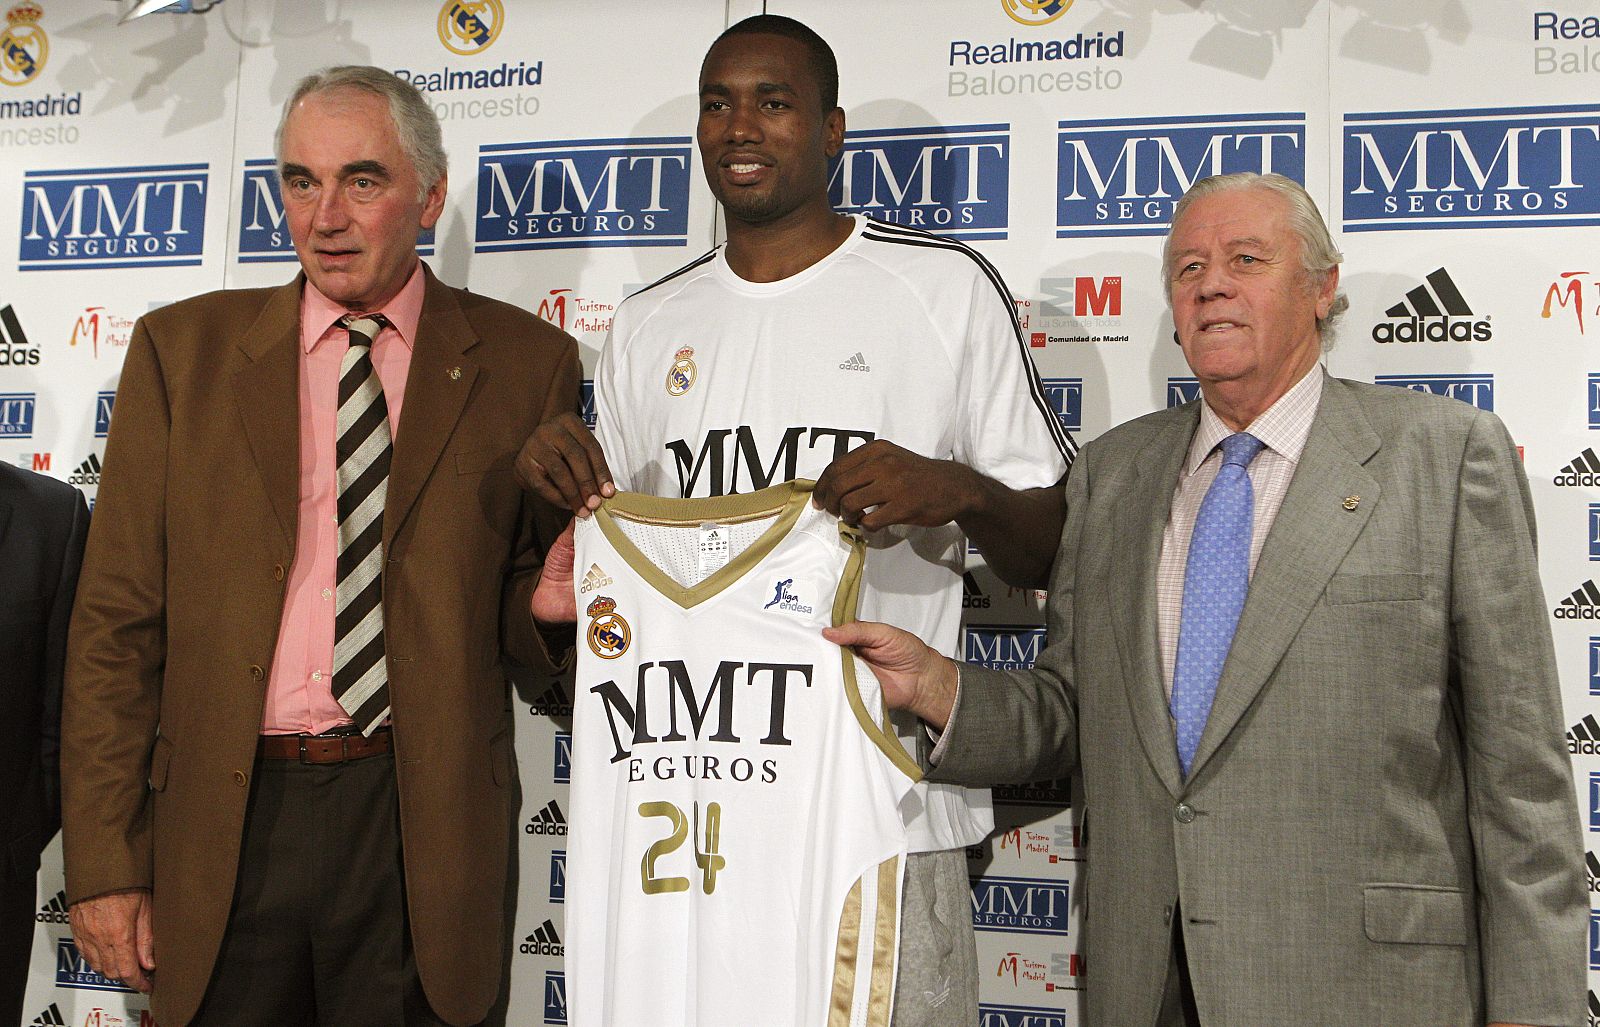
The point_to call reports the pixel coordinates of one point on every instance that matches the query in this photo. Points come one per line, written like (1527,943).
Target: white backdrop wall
(1455,151)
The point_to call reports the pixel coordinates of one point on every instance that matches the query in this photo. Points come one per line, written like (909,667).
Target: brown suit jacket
(182,592)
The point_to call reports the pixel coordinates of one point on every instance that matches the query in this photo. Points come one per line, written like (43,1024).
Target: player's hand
(913,676)
(553,602)
(881,484)
(113,933)
(562,463)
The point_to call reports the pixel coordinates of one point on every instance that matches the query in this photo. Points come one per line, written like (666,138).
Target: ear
(433,201)
(833,132)
(1329,289)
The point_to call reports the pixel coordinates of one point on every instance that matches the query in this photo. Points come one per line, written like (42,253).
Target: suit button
(1166,916)
(256,671)
(278,572)
(239,778)
(1185,813)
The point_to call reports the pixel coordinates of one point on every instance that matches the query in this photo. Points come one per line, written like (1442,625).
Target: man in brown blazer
(310,557)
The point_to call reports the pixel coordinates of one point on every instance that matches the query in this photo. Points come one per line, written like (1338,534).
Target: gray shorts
(937,982)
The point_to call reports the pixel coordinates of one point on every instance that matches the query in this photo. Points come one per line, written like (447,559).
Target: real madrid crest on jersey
(681,375)
(608,632)
(467,27)
(23,45)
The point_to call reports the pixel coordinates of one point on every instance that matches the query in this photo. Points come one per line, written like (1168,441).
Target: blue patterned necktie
(1215,581)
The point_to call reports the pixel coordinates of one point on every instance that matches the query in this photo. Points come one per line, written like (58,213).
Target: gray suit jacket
(1380,825)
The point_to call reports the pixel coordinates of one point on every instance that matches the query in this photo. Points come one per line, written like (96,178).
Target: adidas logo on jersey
(1583,738)
(88,472)
(544,941)
(1582,604)
(596,578)
(54,911)
(553,703)
(49,1018)
(1584,470)
(548,821)
(1425,315)
(857,362)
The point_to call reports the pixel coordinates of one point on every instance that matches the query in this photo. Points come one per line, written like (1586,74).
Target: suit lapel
(1309,539)
(1141,516)
(437,387)
(267,395)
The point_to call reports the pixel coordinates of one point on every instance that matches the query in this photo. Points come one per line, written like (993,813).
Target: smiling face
(764,138)
(1244,306)
(352,198)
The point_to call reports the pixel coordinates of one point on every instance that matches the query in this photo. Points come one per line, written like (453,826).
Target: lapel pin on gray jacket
(1351,502)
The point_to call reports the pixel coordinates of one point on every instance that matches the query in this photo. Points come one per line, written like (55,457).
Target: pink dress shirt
(300,688)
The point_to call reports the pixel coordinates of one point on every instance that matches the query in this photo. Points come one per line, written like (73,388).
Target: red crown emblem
(24,13)
(601,605)
(685,353)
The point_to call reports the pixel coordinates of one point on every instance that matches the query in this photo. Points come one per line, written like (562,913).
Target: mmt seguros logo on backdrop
(587,192)
(1124,175)
(1020,905)
(1476,389)
(263,236)
(113,217)
(955,181)
(1493,167)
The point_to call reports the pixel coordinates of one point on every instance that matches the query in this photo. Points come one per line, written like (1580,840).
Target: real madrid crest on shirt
(23,45)
(608,632)
(681,375)
(468,27)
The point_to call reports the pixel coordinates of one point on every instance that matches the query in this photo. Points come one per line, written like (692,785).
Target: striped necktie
(360,673)
(1215,582)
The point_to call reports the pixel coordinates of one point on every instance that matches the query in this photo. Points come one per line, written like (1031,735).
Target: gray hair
(1318,254)
(414,121)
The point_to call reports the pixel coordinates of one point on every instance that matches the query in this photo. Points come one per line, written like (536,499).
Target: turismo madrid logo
(571,312)
(24,47)
(470,27)
(1567,292)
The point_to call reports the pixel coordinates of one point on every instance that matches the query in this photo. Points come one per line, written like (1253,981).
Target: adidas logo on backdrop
(544,941)
(1582,604)
(553,703)
(1583,738)
(1584,470)
(88,472)
(547,821)
(54,911)
(52,1017)
(1425,315)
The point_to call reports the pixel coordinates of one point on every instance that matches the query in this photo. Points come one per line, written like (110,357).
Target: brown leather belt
(337,748)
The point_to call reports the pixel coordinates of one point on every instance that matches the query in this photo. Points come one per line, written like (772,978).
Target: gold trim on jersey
(785,501)
(845,601)
(885,946)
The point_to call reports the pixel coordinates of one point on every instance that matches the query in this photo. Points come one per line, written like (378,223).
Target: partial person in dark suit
(42,527)
(1299,648)
(288,783)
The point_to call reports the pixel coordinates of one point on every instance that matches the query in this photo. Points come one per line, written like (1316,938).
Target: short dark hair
(823,64)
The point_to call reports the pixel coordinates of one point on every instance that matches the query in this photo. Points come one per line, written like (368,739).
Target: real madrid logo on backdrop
(1035,12)
(608,633)
(468,27)
(23,46)
(681,375)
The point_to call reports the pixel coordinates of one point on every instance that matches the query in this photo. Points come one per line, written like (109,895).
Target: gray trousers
(937,983)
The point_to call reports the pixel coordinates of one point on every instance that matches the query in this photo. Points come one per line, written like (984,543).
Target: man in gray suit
(1306,671)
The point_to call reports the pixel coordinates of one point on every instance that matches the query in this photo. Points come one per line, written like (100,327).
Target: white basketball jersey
(736,841)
